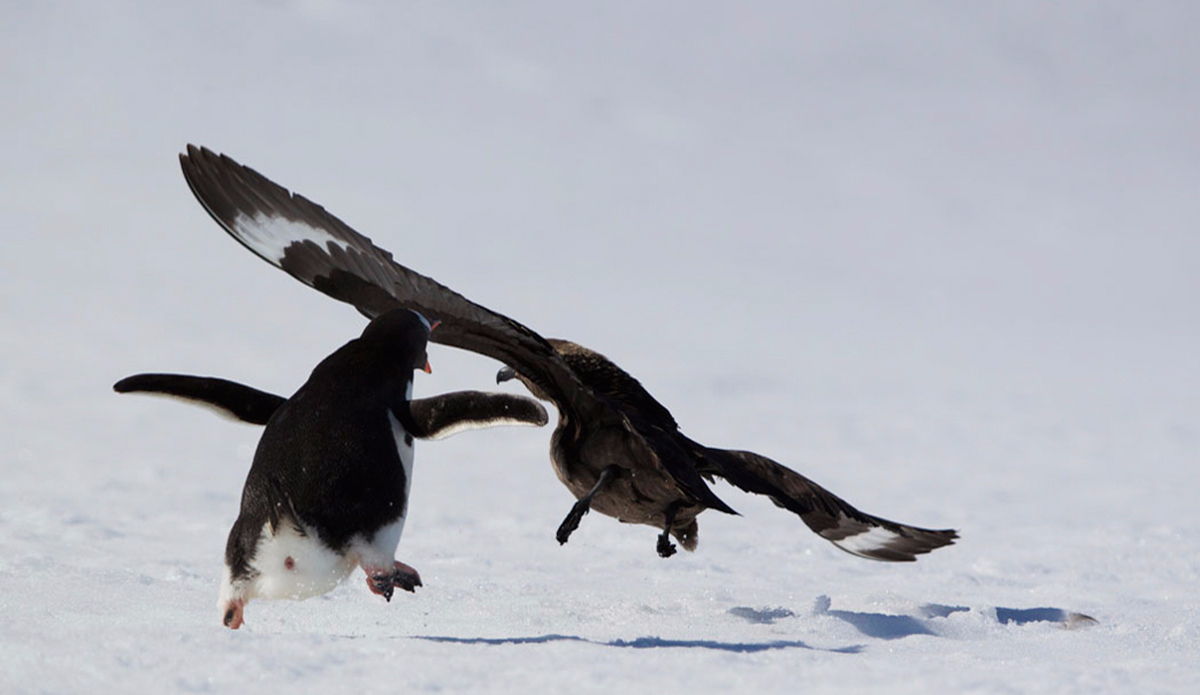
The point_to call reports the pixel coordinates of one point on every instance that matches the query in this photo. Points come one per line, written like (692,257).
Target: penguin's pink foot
(383,582)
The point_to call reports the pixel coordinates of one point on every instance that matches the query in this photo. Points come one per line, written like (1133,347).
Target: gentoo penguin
(616,448)
(328,487)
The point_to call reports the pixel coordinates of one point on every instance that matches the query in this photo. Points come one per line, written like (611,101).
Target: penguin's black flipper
(828,515)
(438,417)
(228,398)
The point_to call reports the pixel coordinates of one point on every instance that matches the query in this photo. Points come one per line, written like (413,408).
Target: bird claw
(665,547)
(584,504)
(384,583)
(569,524)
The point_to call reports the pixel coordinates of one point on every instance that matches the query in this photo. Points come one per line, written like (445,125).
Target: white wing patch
(464,425)
(873,539)
(224,413)
(270,236)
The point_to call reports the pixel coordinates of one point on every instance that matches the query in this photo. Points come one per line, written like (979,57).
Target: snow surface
(941,257)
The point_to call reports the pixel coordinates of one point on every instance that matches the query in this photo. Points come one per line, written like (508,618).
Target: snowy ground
(941,259)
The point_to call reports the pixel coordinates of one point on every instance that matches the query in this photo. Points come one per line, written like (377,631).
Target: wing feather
(301,238)
(828,515)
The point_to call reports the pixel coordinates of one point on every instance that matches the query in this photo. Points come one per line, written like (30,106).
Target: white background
(940,257)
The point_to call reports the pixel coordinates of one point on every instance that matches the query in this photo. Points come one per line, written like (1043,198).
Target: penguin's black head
(402,333)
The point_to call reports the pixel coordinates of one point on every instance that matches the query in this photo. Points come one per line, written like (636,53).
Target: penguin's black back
(329,454)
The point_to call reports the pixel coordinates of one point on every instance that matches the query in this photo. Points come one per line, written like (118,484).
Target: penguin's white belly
(295,565)
(404,449)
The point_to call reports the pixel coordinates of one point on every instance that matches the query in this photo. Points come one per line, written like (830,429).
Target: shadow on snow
(876,625)
(642,643)
(888,627)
